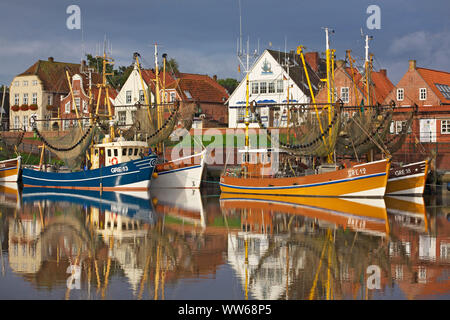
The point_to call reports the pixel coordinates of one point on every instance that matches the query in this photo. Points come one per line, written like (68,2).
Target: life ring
(114,160)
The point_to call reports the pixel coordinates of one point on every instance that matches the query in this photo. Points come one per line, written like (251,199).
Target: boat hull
(364,180)
(10,170)
(133,175)
(186,177)
(409,179)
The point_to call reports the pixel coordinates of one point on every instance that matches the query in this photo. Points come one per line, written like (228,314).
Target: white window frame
(445,126)
(423,94)
(280,86)
(271,87)
(255,87)
(34,98)
(25,98)
(128,97)
(16,122)
(34,83)
(49,99)
(16,99)
(25,122)
(77,103)
(261,85)
(141,96)
(67,107)
(122,117)
(173,96)
(25,83)
(400,94)
(345,94)
(16,83)
(85,106)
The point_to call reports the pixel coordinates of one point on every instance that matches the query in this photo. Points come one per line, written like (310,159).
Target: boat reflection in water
(184,206)
(296,247)
(10,195)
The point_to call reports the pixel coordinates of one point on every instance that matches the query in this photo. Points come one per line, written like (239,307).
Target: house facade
(67,116)
(36,93)
(274,78)
(429,90)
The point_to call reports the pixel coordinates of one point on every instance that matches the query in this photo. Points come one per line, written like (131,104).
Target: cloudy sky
(202,34)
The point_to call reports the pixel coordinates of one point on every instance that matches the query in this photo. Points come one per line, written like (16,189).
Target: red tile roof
(149,77)
(52,74)
(201,88)
(381,83)
(432,77)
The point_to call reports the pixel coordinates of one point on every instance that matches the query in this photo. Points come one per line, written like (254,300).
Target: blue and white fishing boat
(116,166)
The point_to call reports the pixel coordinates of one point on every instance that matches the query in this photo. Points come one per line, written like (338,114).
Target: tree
(229,83)
(171,66)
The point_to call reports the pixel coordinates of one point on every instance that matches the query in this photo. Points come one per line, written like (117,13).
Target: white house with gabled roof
(270,77)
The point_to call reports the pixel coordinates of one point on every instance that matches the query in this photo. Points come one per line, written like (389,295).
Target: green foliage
(171,66)
(229,83)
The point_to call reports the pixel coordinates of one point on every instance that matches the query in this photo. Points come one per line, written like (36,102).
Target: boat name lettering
(356,172)
(119,169)
(355,223)
(402,172)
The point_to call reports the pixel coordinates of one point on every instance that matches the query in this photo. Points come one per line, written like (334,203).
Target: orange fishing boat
(408,179)
(10,170)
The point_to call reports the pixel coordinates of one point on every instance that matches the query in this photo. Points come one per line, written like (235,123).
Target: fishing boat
(318,140)
(408,179)
(180,173)
(10,170)
(112,164)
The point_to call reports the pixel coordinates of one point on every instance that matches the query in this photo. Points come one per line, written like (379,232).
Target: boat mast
(329,82)
(158,98)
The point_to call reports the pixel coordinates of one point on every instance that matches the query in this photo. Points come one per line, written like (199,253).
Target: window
(122,117)
(25,98)
(116,153)
(141,96)
(130,151)
(16,122)
(67,107)
(280,86)
(255,87)
(445,126)
(423,94)
(16,83)
(34,98)
(271,87)
(16,99)
(444,89)
(124,151)
(25,83)
(136,151)
(77,103)
(344,94)
(173,96)
(109,152)
(34,82)
(263,87)
(400,94)
(240,115)
(85,106)
(49,100)
(128,96)
(25,123)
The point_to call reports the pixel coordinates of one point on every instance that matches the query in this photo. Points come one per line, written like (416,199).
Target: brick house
(66,117)
(351,88)
(430,132)
(37,91)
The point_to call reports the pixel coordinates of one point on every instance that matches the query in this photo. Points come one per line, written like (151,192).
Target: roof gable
(438,81)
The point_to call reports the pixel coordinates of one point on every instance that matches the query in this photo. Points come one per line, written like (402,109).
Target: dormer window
(400,94)
(423,94)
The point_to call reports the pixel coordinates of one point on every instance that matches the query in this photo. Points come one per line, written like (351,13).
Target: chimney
(412,65)
(215,77)
(50,59)
(383,72)
(340,64)
(312,58)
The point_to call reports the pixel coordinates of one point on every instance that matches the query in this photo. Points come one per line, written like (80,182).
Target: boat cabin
(111,153)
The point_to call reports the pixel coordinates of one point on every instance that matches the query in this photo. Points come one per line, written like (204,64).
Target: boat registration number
(356,172)
(119,169)
(402,172)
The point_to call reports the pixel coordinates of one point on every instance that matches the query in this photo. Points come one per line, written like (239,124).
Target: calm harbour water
(187,244)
